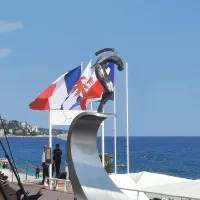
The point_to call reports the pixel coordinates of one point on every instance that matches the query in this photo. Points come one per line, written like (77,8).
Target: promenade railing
(157,195)
(54,183)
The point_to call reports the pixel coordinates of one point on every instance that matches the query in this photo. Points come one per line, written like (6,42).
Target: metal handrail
(162,194)
(57,179)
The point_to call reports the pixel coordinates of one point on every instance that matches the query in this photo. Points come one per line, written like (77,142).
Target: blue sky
(40,40)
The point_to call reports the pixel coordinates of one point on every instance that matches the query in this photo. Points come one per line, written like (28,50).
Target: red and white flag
(95,91)
(79,89)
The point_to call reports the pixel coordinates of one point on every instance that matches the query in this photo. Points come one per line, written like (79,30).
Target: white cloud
(5,52)
(6,26)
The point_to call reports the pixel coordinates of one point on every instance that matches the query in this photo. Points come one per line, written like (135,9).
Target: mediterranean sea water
(177,156)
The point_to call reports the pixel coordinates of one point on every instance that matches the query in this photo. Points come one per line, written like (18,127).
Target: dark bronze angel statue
(102,76)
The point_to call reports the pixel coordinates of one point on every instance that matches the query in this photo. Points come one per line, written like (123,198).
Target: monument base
(88,177)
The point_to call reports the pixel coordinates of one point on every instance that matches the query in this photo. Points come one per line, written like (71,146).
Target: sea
(176,156)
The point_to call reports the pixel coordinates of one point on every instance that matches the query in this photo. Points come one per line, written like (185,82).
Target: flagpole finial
(102,76)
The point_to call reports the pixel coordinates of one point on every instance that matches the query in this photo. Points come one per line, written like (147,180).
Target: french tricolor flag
(54,96)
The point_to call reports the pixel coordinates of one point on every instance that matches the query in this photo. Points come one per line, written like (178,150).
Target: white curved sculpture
(89,179)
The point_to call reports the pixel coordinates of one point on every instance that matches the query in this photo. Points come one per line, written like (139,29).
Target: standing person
(57,160)
(45,167)
(37,172)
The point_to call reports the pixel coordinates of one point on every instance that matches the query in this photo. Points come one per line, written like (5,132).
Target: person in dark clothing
(57,160)
(37,172)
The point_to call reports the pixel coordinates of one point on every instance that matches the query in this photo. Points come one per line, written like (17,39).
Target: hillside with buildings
(16,128)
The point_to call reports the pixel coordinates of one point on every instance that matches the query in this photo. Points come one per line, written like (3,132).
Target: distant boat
(119,164)
(62,136)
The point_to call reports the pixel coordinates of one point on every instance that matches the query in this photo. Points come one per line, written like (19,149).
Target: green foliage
(108,162)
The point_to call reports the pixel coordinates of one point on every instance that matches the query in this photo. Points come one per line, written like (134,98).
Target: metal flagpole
(50,145)
(91,75)
(114,124)
(103,143)
(127,120)
(102,137)
(91,106)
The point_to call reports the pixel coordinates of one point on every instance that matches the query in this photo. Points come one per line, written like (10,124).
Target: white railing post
(54,182)
(26,169)
(67,177)
(137,195)
(12,176)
